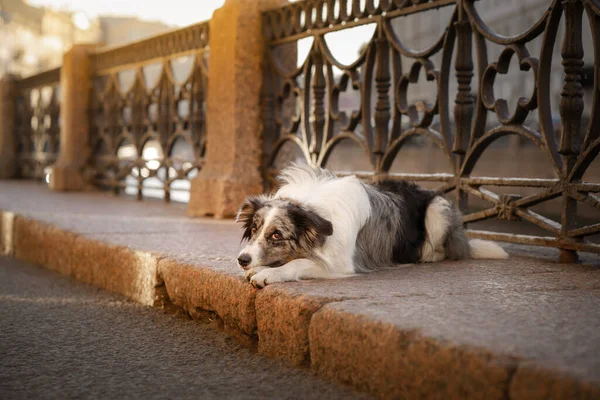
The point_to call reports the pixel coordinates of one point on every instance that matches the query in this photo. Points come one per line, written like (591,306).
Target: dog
(320,226)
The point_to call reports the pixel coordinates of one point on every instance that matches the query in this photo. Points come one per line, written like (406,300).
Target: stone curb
(429,369)
(371,355)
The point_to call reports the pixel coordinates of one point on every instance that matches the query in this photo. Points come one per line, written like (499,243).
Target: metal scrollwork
(151,135)
(37,123)
(317,125)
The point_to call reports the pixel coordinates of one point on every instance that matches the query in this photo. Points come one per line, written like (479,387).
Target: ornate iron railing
(301,105)
(148,134)
(37,123)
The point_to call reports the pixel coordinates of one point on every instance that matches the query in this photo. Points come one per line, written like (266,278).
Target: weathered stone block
(532,382)
(42,244)
(118,269)
(283,320)
(75,85)
(233,113)
(6,232)
(393,363)
(198,289)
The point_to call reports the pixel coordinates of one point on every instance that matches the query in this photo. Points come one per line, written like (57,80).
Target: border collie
(320,226)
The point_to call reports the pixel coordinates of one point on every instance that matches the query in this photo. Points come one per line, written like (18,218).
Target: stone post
(233,145)
(8,136)
(75,84)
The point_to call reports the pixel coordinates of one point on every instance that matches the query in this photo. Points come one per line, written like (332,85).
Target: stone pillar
(8,135)
(75,86)
(233,145)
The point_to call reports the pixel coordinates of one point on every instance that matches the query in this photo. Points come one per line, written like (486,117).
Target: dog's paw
(251,272)
(264,278)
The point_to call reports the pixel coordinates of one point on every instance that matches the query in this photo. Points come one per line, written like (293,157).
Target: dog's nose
(244,260)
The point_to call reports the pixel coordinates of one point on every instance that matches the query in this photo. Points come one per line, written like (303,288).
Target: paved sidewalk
(524,328)
(61,339)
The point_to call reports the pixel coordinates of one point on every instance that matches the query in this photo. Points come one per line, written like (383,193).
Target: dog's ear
(311,227)
(246,213)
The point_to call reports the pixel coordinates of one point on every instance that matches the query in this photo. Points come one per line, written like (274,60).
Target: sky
(172,12)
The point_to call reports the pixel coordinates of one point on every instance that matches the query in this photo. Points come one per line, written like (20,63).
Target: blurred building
(34,38)
(122,30)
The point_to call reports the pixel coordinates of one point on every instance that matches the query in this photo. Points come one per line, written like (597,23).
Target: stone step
(522,328)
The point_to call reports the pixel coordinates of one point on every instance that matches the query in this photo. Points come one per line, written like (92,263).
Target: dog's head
(278,231)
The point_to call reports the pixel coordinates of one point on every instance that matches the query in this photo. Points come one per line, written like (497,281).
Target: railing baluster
(382,107)
(571,110)
(317,114)
(464,102)
(571,101)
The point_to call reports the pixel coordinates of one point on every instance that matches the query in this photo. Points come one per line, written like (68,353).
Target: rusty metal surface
(308,18)
(49,77)
(164,112)
(37,123)
(182,41)
(318,126)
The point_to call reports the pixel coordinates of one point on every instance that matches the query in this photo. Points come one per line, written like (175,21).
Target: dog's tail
(483,249)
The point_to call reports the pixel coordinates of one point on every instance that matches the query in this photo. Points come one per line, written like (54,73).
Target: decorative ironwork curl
(37,123)
(138,131)
(379,127)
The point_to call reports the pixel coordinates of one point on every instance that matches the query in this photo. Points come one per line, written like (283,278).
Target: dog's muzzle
(244,260)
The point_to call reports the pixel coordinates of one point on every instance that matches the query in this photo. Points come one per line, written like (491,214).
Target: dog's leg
(293,271)
(436,228)
(252,271)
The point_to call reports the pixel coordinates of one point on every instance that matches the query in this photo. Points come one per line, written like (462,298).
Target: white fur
(345,203)
(483,249)
(293,271)
(436,227)
(342,201)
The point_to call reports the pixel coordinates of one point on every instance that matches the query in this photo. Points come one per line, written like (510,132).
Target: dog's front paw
(264,278)
(251,272)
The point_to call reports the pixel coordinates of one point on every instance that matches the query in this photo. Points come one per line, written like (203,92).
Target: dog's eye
(253,231)
(276,236)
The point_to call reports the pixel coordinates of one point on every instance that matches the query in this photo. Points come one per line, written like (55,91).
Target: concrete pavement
(63,339)
(524,328)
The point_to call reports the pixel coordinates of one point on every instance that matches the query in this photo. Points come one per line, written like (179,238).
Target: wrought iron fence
(147,113)
(302,105)
(37,119)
